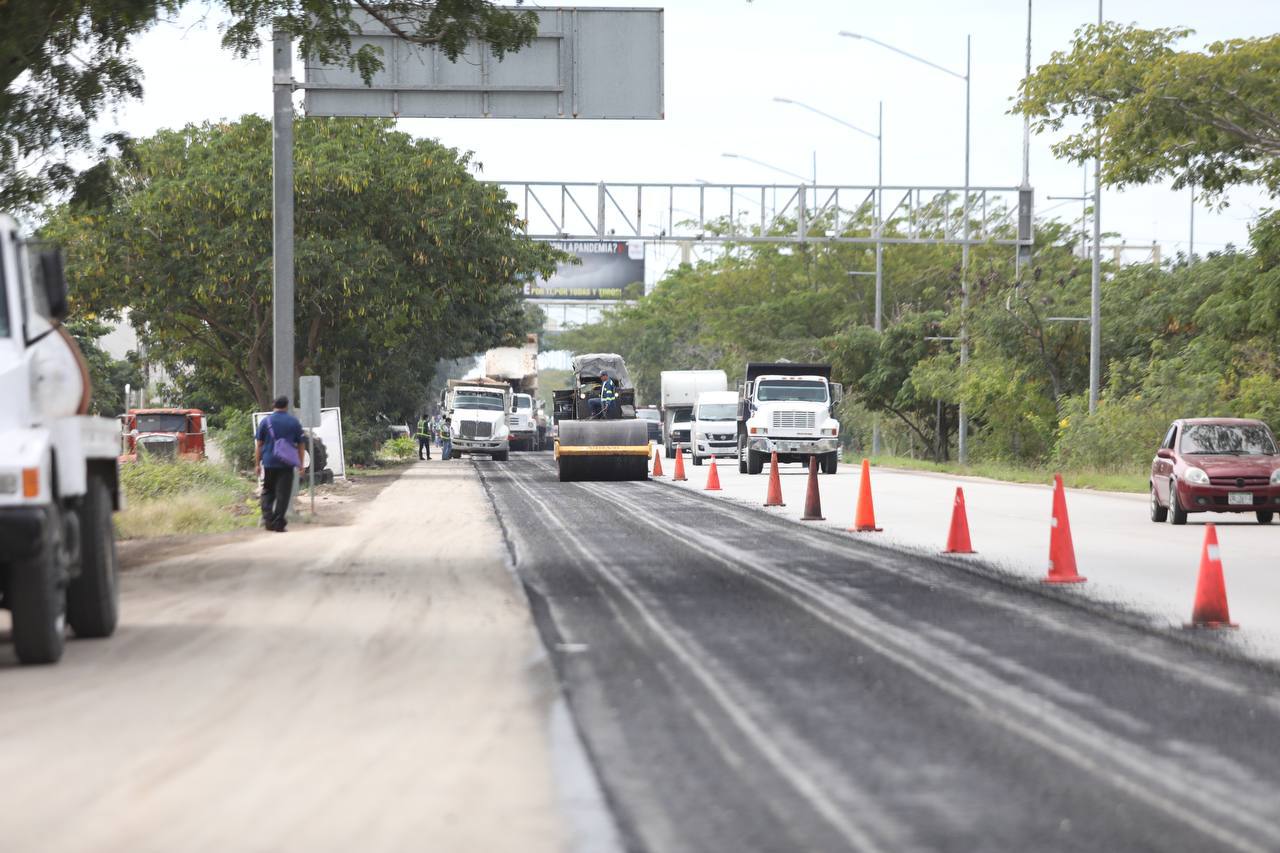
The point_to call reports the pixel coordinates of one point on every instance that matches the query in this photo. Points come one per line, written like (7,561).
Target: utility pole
(1095,289)
(1024,254)
(962,427)
(1191,249)
(282,217)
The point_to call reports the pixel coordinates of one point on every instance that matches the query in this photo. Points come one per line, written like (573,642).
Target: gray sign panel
(607,268)
(586,62)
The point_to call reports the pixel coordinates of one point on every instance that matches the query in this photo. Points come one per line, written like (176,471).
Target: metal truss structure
(770,213)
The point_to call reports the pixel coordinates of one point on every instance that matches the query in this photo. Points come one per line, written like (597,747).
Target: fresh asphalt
(746,683)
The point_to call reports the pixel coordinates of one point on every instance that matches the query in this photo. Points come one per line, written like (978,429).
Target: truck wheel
(742,457)
(93,598)
(501,456)
(830,462)
(697,460)
(37,594)
(755,462)
(671,451)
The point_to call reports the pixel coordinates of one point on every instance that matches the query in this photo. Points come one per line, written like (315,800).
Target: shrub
(235,437)
(149,479)
(398,449)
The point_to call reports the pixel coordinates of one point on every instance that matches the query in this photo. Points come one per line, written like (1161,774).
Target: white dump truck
(59,480)
(518,368)
(787,408)
(477,412)
(680,390)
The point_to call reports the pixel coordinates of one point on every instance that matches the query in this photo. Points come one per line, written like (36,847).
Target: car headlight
(1197,476)
(1275,477)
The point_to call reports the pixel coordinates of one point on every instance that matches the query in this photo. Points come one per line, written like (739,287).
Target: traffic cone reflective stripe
(713,478)
(1210,608)
(812,500)
(864,517)
(773,497)
(958,537)
(679,472)
(1062,552)
(657,462)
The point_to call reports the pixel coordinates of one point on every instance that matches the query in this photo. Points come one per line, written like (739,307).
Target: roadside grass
(1111,481)
(183,498)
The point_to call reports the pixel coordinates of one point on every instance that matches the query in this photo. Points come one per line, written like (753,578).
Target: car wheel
(1265,516)
(1158,513)
(1177,515)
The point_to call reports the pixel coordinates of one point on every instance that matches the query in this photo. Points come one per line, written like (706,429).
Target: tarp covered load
(593,364)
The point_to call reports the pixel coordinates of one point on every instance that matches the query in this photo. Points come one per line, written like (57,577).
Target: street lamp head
(849,35)
(735,156)
(784,100)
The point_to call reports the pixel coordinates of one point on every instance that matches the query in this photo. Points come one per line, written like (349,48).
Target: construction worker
(446,442)
(606,404)
(424,436)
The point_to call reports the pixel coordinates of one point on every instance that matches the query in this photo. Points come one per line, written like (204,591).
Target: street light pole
(962,443)
(1095,288)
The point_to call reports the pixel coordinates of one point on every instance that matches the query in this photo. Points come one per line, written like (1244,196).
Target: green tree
(1208,118)
(64,62)
(402,258)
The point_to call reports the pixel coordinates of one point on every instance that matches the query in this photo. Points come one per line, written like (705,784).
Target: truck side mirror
(837,392)
(54,280)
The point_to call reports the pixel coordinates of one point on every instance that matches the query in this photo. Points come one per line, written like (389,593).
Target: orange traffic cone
(1210,610)
(679,472)
(864,517)
(812,500)
(713,478)
(774,495)
(1062,553)
(958,539)
(657,461)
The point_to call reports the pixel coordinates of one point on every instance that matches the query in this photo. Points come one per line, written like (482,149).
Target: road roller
(596,442)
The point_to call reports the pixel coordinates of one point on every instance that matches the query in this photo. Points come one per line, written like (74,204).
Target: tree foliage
(1208,118)
(63,63)
(402,258)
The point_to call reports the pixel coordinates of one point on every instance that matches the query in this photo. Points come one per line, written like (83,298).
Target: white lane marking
(1076,736)
(896,559)
(764,744)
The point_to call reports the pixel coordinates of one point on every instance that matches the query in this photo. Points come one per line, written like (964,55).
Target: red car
(1216,465)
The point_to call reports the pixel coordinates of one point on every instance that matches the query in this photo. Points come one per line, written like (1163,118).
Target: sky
(725,62)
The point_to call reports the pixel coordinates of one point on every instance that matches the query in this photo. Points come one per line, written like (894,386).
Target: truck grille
(792,420)
(158,449)
(513,420)
(475,429)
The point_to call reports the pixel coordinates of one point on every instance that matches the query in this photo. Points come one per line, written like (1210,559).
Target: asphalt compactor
(610,444)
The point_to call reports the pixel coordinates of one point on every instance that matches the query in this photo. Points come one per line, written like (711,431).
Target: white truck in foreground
(680,390)
(788,408)
(59,480)
(477,412)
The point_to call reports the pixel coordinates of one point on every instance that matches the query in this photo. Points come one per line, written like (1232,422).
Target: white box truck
(59,480)
(680,390)
(518,367)
(715,425)
(788,408)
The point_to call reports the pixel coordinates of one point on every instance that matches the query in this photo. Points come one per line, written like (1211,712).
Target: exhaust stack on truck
(788,408)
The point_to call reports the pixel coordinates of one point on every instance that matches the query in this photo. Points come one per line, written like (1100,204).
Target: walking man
(424,436)
(446,441)
(277,453)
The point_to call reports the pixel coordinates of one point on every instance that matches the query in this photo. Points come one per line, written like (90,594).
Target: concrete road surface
(746,683)
(1129,560)
(377,687)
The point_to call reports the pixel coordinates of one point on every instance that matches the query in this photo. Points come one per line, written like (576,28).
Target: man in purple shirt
(277,452)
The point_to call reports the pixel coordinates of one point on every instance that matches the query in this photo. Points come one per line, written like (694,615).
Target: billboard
(585,63)
(607,268)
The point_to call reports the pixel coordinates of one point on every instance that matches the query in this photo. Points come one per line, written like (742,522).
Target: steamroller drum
(603,450)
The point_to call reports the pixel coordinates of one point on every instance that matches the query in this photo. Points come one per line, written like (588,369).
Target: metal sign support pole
(282,218)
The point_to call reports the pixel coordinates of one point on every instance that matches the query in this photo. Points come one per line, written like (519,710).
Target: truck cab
(59,480)
(162,434)
(788,409)
(477,412)
(715,425)
(522,423)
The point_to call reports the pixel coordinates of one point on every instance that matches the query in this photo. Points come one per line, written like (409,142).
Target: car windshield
(491,402)
(523,402)
(1232,440)
(717,412)
(802,390)
(162,423)
(647,414)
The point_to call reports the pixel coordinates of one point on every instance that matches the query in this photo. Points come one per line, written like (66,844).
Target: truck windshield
(647,414)
(1231,440)
(681,414)
(523,402)
(492,402)
(802,390)
(162,423)
(717,412)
